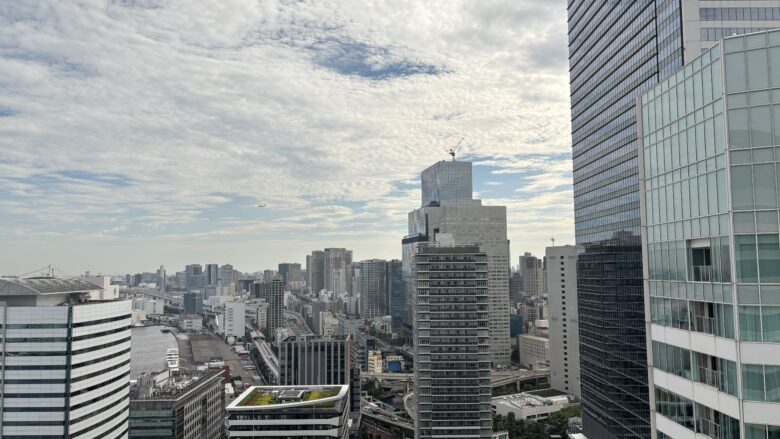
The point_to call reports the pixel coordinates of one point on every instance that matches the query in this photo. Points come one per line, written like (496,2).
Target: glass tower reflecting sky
(617,51)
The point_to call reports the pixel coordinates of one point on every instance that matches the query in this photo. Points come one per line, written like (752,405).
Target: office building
(395,293)
(530,269)
(564,324)
(451,341)
(194,276)
(315,270)
(534,351)
(291,412)
(275,307)
(212,275)
(268,276)
(176,406)
(531,406)
(312,359)
(192,303)
(162,280)
(373,288)
(291,274)
(453,211)
(227,276)
(709,196)
(235,319)
(57,343)
(618,50)
(337,265)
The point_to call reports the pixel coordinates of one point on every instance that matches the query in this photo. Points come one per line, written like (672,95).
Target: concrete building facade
(563,320)
(451,342)
(66,360)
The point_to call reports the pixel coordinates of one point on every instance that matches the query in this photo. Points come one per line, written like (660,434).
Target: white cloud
(148,122)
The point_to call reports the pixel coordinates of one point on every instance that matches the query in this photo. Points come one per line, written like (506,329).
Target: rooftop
(34,286)
(290,396)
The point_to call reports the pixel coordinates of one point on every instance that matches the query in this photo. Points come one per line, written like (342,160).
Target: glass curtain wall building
(710,164)
(617,51)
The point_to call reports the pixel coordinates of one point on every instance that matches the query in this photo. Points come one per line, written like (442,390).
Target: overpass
(497,378)
(263,356)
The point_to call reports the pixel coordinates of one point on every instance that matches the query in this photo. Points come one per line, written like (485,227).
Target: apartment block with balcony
(710,168)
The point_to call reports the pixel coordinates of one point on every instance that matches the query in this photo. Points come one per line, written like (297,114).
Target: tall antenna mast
(553,241)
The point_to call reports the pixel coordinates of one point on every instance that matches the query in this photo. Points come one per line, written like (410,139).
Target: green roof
(263,397)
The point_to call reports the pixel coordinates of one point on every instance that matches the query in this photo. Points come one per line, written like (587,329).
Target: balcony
(702,273)
(708,428)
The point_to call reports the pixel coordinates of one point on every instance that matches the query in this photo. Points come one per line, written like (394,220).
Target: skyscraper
(452,210)
(530,268)
(373,288)
(290,272)
(618,50)
(56,342)
(395,293)
(564,324)
(226,275)
(192,302)
(709,167)
(212,275)
(316,271)
(194,279)
(337,269)
(275,307)
(162,279)
(451,341)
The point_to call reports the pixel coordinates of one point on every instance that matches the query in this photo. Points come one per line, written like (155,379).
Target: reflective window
(764,184)
(770,323)
(749,323)
(758,72)
(760,126)
(753,382)
(735,72)
(739,136)
(742,188)
(747,267)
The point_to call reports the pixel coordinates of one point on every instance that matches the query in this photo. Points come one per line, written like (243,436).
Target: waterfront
(148,345)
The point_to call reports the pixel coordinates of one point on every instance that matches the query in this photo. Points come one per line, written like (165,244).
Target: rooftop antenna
(553,241)
(454,149)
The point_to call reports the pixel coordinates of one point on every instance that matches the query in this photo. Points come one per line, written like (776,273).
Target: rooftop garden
(260,397)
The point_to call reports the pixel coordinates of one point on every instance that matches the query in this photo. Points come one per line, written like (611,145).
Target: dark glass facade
(617,51)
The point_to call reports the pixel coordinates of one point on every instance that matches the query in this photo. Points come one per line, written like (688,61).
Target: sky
(135,133)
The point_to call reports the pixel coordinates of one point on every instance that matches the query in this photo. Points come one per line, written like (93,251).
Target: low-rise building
(291,412)
(375,362)
(191,323)
(179,407)
(534,351)
(534,405)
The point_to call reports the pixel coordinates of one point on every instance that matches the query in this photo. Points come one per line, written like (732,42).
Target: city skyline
(136,133)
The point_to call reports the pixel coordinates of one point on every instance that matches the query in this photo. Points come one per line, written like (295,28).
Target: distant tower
(275,307)
(161,279)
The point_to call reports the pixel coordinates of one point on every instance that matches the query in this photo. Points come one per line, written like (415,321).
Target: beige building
(534,351)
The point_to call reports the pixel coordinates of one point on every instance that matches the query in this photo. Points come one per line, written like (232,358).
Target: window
(769,258)
(770,323)
(747,267)
(749,323)
(742,187)
(700,260)
(735,72)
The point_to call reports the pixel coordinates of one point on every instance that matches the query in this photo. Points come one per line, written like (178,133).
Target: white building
(235,319)
(329,325)
(151,306)
(531,406)
(563,319)
(191,323)
(57,343)
(106,290)
(534,351)
(290,412)
(138,316)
